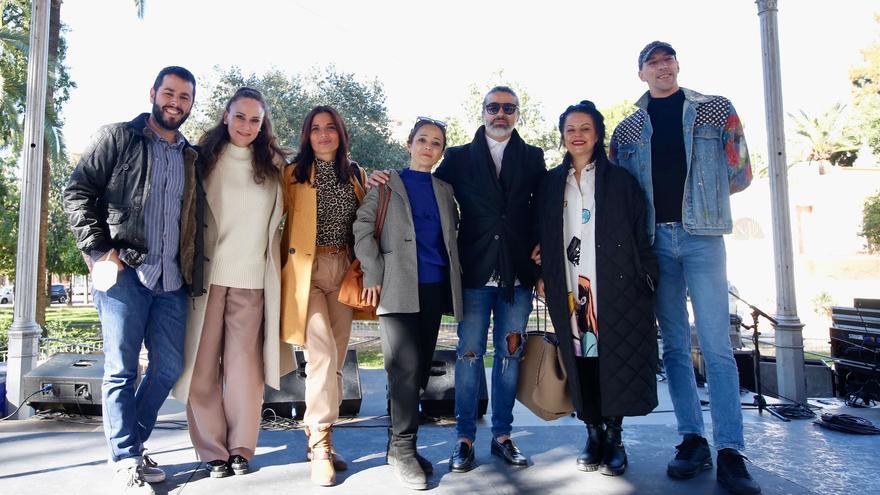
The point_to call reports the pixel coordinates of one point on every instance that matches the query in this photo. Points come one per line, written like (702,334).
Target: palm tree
(828,138)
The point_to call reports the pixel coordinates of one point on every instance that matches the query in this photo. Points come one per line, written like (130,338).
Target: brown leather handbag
(352,286)
(542,385)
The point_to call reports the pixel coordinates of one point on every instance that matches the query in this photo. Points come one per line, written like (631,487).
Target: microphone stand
(756,356)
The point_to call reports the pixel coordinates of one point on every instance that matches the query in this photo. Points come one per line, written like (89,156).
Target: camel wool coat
(298,250)
(278,356)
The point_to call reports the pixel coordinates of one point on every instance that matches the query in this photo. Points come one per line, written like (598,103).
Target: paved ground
(52,456)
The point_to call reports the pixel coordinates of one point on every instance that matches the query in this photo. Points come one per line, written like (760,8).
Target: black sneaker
(733,475)
(693,456)
(239,465)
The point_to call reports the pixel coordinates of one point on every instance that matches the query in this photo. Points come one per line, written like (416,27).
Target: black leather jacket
(104,200)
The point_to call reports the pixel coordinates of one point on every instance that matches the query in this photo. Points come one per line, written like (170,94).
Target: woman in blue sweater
(412,276)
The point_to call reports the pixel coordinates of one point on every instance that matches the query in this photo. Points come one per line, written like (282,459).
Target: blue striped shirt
(162,215)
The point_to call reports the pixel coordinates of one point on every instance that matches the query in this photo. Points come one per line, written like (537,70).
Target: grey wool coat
(392,262)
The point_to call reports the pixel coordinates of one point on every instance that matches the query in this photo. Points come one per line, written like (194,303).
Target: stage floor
(69,456)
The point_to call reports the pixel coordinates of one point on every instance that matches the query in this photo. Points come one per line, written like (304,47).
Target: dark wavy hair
(267,151)
(305,157)
(589,108)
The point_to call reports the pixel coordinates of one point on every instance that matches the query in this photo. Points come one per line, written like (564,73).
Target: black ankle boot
(402,456)
(591,456)
(613,453)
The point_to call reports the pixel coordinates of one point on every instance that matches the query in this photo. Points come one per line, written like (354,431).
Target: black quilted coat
(626,269)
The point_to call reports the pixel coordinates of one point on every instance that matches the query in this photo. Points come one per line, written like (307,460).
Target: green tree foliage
(829,137)
(14,32)
(62,255)
(866,95)
(871,222)
(9,200)
(290,97)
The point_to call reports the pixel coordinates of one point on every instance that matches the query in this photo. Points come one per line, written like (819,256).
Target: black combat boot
(613,453)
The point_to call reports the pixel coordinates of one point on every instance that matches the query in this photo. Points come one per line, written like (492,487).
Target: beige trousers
(226,392)
(328,328)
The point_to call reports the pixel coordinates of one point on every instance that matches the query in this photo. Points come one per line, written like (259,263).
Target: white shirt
(496,149)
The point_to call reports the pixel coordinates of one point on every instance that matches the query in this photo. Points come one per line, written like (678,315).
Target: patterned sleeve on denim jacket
(739,168)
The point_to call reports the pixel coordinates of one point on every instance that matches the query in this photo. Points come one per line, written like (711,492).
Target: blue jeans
(696,265)
(131,316)
(473,330)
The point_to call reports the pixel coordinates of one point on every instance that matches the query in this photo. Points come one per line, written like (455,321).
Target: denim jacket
(717,160)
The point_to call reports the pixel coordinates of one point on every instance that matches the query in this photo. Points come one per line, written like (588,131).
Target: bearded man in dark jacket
(495,179)
(136,205)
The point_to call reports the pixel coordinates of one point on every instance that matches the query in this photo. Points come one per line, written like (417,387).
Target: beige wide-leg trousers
(226,392)
(328,328)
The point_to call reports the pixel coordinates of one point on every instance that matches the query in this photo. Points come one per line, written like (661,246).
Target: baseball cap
(650,47)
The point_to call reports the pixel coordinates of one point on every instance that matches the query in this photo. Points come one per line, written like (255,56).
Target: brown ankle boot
(320,453)
(339,462)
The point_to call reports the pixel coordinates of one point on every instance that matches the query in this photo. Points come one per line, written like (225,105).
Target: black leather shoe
(217,469)
(239,465)
(462,459)
(733,475)
(509,452)
(693,456)
(614,459)
(591,456)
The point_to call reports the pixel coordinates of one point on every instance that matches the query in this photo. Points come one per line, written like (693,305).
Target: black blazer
(626,270)
(498,215)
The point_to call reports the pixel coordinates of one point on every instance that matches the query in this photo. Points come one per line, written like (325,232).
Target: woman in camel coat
(323,189)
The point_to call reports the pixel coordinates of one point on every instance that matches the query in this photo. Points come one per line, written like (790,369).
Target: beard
(498,129)
(160,119)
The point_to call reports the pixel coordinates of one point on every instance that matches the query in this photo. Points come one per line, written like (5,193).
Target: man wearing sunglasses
(689,154)
(494,178)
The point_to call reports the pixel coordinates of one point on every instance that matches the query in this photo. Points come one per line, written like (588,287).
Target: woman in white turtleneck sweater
(232,344)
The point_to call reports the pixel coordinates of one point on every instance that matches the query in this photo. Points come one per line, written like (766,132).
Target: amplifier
(438,398)
(858,380)
(855,333)
(290,401)
(817,375)
(75,381)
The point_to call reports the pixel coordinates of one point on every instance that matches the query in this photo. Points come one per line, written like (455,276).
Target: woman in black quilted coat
(598,275)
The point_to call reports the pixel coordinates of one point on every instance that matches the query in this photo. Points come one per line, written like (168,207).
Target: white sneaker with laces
(152,472)
(130,481)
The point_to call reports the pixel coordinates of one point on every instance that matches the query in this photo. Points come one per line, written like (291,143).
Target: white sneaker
(152,472)
(130,480)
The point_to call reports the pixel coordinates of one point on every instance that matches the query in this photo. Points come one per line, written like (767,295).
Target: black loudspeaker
(438,399)
(818,375)
(75,381)
(290,401)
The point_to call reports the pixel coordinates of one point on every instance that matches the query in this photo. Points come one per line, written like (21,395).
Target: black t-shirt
(668,162)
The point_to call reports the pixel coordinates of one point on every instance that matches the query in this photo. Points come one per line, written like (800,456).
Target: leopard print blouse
(337,206)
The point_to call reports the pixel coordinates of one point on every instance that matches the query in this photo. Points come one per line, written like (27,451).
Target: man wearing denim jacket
(689,154)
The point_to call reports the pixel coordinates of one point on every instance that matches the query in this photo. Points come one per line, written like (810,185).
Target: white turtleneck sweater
(241,209)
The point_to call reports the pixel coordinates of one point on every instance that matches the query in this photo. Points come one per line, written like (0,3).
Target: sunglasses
(429,120)
(493,108)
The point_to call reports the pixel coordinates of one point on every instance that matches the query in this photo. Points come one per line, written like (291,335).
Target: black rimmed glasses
(493,108)
(429,120)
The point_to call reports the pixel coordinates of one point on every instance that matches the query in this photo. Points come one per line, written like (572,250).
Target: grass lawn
(74,315)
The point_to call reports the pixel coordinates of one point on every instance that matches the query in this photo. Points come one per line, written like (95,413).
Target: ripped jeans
(509,318)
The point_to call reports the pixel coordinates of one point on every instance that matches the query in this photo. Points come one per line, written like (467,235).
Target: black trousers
(408,341)
(590,410)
